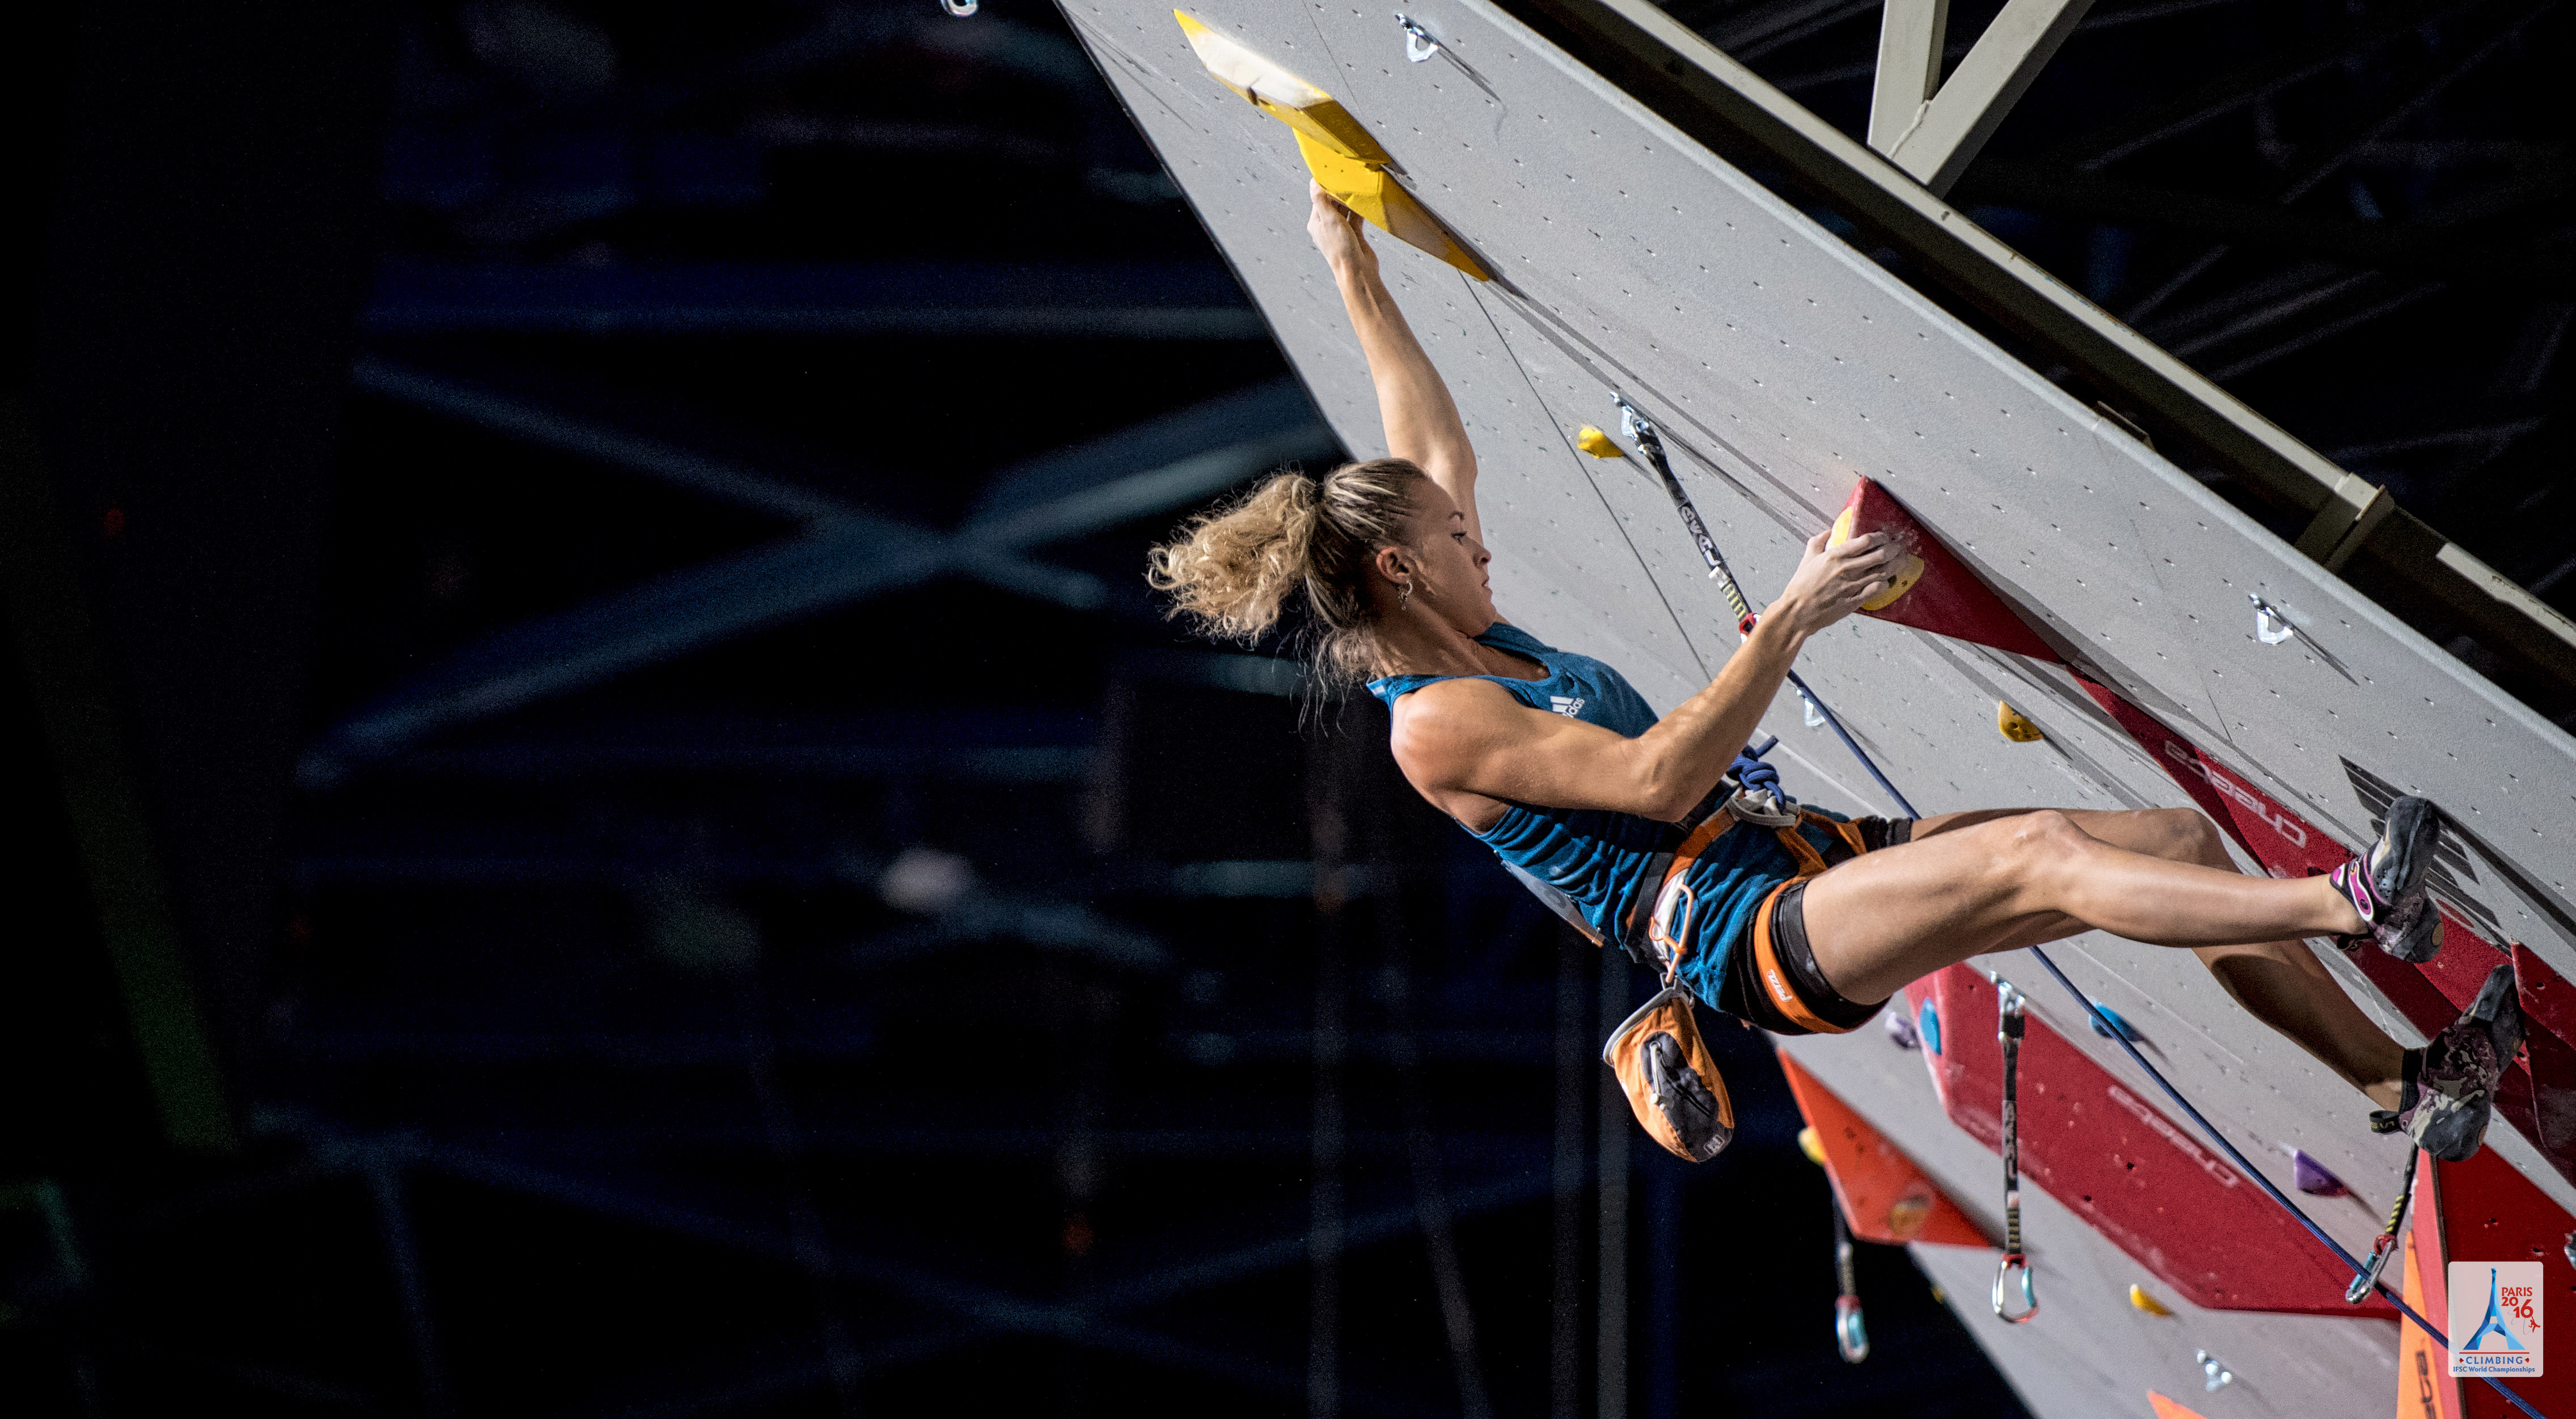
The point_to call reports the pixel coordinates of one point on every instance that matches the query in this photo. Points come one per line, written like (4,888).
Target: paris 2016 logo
(2495,1318)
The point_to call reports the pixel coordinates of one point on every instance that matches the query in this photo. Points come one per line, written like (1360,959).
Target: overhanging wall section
(1783,366)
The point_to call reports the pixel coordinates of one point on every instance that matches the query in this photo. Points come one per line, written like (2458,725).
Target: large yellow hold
(1345,160)
(1908,571)
(1282,95)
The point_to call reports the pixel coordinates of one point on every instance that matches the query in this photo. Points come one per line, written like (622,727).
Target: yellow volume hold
(1368,189)
(1343,157)
(1282,95)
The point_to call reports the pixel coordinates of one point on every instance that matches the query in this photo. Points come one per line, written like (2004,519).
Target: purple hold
(1901,1030)
(2313,1177)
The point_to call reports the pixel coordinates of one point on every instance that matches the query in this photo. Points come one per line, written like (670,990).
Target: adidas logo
(1571,706)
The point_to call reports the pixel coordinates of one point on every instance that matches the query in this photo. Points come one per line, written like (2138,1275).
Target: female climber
(1804,923)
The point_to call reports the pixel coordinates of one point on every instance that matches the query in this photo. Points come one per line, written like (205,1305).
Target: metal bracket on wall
(2353,510)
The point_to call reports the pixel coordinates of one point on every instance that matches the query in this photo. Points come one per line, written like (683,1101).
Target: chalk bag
(1672,1083)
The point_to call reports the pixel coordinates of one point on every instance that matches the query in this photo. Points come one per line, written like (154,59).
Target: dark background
(608,827)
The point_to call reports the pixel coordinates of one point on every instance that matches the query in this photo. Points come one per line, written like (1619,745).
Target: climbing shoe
(2448,1092)
(2387,884)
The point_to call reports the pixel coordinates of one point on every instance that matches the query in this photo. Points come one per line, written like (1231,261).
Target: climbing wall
(1783,366)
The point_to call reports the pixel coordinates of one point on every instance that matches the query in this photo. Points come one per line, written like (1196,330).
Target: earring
(1404,594)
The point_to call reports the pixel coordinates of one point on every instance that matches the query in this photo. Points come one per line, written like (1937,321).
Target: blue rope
(2173,1093)
(1852,744)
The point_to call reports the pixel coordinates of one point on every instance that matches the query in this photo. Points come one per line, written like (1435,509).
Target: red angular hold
(1885,1195)
(2547,999)
(2539,1096)
(1949,600)
(2112,1157)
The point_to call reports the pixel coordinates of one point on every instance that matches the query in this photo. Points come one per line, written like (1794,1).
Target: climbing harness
(1851,1333)
(2384,1247)
(1671,1081)
(1633,422)
(2008,1029)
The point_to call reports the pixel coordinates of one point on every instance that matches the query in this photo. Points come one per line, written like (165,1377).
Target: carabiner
(2383,1248)
(1851,1333)
(2030,1302)
(2366,1280)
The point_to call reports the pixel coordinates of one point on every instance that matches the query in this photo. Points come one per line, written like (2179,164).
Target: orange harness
(1663,1065)
(1671,937)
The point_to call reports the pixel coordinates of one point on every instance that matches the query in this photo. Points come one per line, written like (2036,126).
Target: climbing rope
(1641,430)
(2008,1030)
(1633,423)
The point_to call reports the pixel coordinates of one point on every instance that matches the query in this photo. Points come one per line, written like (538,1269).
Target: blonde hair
(1232,570)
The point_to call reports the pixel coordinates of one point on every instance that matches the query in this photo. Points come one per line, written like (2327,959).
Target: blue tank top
(1591,864)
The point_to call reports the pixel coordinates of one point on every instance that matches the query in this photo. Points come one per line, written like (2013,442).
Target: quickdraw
(1641,431)
(2008,1029)
(2384,1247)
(1851,1333)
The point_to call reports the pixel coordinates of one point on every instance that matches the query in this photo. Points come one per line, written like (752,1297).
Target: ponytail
(1232,571)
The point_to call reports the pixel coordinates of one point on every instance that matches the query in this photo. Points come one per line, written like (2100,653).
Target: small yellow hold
(1812,1146)
(1908,572)
(1907,1214)
(1597,443)
(2015,726)
(2139,1298)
